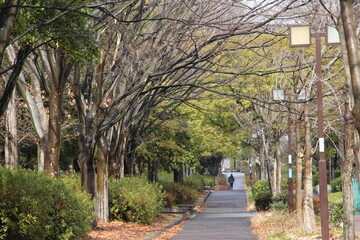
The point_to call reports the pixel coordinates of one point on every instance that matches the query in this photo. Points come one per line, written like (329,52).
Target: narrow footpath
(225,216)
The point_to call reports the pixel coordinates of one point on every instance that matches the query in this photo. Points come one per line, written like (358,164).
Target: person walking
(231,181)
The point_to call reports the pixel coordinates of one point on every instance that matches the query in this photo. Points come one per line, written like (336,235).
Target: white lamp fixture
(278,94)
(332,36)
(302,94)
(300,36)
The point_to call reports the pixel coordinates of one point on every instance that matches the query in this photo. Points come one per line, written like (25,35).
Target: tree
(8,13)
(59,47)
(131,80)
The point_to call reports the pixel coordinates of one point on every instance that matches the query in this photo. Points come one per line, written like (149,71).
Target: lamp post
(279,95)
(300,36)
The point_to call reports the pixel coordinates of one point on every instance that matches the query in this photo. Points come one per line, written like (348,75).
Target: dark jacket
(231,179)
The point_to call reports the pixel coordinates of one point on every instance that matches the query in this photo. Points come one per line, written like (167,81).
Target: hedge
(134,199)
(35,206)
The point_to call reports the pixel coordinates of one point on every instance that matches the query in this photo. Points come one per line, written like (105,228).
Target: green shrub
(195,181)
(221,181)
(336,184)
(170,200)
(337,173)
(183,194)
(336,214)
(250,183)
(280,202)
(34,206)
(134,199)
(263,201)
(262,195)
(164,176)
(259,187)
(284,184)
(315,179)
(209,181)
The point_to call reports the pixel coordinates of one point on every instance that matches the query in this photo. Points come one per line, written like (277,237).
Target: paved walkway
(357,223)
(225,216)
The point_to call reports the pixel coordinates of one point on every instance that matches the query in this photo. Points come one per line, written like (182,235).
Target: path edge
(182,218)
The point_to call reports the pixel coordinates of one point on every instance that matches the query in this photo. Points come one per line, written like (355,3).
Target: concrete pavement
(225,216)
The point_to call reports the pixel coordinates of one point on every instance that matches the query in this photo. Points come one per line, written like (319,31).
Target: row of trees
(118,83)
(111,74)
(269,119)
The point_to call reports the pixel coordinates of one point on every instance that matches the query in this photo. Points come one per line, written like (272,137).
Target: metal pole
(324,214)
(290,179)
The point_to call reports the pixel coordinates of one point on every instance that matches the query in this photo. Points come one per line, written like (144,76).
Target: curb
(179,220)
(205,198)
(165,228)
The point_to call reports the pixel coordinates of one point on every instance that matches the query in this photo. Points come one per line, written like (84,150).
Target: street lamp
(300,36)
(279,95)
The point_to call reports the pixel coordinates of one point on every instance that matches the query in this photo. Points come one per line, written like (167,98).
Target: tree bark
(299,168)
(18,62)
(178,174)
(265,143)
(263,172)
(11,134)
(350,147)
(308,208)
(353,52)
(102,196)
(122,155)
(59,74)
(277,170)
(7,19)
(85,139)
(347,173)
(34,102)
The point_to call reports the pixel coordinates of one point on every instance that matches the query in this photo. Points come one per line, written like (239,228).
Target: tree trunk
(299,167)
(102,194)
(7,19)
(150,171)
(352,68)
(59,73)
(85,140)
(308,208)
(178,175)
(353,52)
(113,169)
(263,172)
(52,154)
(40,155)
(11,134)
(277,170)
(347,173)
(265,143)
(122,155)
(18,62)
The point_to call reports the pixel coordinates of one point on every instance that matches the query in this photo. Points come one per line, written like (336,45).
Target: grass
(284,226)
(166,176)
(336,197)
(278,236)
